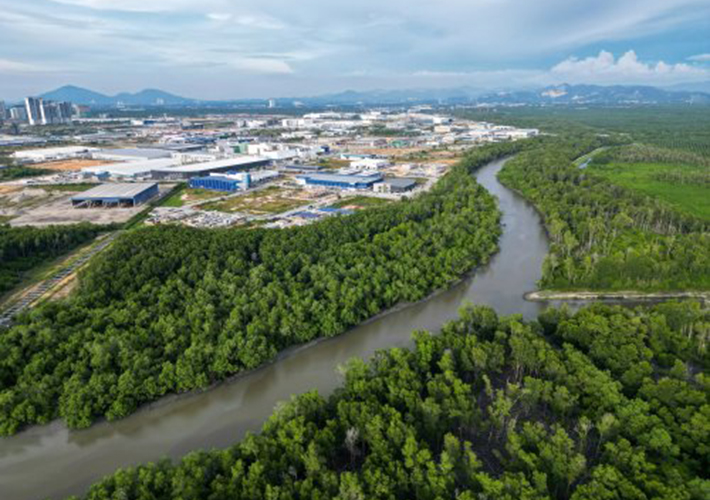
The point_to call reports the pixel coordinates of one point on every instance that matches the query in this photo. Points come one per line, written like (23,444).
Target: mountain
(147,97)
(597,95)
(449,95)
(691,87)
(565,94)
(77,95)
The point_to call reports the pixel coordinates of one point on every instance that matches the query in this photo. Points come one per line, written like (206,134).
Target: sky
(231,49)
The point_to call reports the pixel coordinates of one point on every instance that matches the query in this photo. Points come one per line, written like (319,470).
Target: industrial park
(224,170)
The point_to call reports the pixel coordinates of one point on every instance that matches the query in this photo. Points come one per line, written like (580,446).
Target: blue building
(340,181)
(220,183)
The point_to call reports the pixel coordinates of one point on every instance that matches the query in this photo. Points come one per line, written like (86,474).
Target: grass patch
(272,200)
(361,202)
(680,186)
(333,163)
(187,195)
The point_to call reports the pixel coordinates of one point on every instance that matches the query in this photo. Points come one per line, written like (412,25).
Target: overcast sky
(216,49)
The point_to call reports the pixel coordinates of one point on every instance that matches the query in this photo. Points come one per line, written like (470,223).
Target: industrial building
(184,172)
(233,181)
(395,185)
(369,164)
(115,195)
(131,154)
(218,183)
(53,154)
(139,169)
(302,169)
(340,181)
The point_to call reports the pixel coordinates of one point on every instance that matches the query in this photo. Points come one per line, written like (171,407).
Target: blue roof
(307,215)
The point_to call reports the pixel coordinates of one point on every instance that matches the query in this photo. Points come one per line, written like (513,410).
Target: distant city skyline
(222,49)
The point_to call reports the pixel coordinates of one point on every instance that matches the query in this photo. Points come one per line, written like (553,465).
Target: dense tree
(490,408)
(169,309)
(22,248)
(603,236)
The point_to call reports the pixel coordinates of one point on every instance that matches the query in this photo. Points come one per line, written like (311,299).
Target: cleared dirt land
(69,165)
(62,212)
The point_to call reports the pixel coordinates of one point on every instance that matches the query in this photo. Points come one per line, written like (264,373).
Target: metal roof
(131,167)
(342,178)
(147,153)
(400,182)
(115,191)
(214,165)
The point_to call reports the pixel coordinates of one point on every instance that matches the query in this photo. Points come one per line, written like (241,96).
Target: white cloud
(700,58)
(261,66)
(605,68)
(8,66)
(132,5)
(219,16)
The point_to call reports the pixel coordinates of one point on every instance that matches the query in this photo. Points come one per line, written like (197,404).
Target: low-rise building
(340,181)
(115,195)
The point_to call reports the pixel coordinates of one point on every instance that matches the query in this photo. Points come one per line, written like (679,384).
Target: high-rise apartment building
(41,112)
(33,107)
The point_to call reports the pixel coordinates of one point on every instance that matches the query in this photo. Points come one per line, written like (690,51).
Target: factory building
(115,195)
(53,154)
(395,185)
(139,169)
(370,164)
(233,181)
(301,169)
(184,172)
(131,154)
(218,183)
(340,181)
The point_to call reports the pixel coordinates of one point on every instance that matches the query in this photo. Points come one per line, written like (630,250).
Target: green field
(187,195)
(681,186)
(361,201)
(271,200)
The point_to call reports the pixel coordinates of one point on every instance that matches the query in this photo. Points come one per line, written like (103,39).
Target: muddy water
(53,462)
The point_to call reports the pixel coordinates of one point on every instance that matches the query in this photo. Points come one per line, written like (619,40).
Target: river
(53,462)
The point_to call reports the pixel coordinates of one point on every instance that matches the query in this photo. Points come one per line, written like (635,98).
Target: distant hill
(597,95)
(147,97)
(564,94)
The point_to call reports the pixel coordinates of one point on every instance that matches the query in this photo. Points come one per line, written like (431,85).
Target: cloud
(8,66)
(219,16)
(131,5)
(605,68)
(700,58)
(261,66)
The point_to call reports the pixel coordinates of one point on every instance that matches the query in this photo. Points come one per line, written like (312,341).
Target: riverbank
(68,461)
(547,295)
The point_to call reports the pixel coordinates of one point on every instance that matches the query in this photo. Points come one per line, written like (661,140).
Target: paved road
(43,287)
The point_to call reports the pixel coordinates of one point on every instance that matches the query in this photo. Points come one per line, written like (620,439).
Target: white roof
(132,167)
(64,150)
(213,165)
(147,153)
(115,191)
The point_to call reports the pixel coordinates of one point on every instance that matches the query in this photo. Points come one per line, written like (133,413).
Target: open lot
(57,209)
(271,200)
(69,165)
(686,188)
(189,195)
(17,200)
(358,202)
(62,212)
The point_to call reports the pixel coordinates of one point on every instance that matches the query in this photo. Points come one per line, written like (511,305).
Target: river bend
(54,462)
